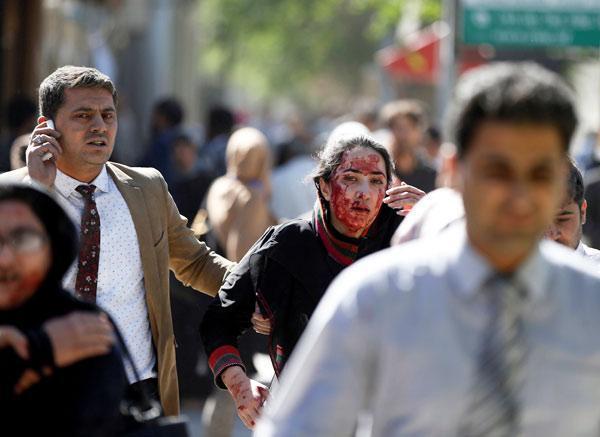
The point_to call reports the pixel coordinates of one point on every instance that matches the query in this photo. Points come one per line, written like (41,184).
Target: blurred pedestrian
(591,229)
(191,180)
(567,227)
(238,202)
(432,142)
(220,122)
(406,120)
(62,376)
(18,152)
(20,120)
(484,330)
(165,126)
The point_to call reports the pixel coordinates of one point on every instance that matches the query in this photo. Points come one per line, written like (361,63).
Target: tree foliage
(276,47)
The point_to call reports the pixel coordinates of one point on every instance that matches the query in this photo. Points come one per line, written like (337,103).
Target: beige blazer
(165,243)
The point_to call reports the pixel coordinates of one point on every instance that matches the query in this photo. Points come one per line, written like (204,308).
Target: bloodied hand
(249,395)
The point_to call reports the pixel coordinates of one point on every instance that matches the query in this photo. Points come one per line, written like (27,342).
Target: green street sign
(549,24)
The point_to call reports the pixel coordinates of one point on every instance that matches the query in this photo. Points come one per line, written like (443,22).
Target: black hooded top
(80,399)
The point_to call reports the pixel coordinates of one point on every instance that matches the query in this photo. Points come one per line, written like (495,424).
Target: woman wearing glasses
(60,373)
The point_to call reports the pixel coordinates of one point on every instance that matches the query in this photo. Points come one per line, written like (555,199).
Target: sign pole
(448,55)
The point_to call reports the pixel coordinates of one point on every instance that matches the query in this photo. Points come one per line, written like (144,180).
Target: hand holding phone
(43,152)
(48,155)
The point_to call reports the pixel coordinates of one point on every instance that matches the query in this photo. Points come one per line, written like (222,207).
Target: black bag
(147,412)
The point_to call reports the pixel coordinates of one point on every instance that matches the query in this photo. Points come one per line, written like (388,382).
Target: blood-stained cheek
(346,196)
(342,200)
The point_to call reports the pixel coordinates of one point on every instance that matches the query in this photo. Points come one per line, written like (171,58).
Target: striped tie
(494,409)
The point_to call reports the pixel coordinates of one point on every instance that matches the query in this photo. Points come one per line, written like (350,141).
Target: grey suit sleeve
(328,380)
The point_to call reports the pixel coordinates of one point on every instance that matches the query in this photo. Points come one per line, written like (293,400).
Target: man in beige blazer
(82,104)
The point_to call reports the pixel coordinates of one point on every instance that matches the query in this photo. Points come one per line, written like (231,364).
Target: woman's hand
(10,336)
(248,395)
(79,335)
(402,197)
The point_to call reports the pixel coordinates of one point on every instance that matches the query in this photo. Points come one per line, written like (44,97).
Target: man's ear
(448,175)
(583,211)
(325,189)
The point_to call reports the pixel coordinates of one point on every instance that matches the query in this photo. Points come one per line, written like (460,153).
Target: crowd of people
(476,322)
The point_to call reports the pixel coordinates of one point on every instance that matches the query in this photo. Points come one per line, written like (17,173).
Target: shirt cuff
(222,358)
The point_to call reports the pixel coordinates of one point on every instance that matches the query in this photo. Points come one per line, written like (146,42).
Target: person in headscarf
(289,268)
(238,202)
(42,389)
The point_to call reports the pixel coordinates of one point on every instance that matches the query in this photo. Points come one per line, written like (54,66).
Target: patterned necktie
(89,250)
(494,409)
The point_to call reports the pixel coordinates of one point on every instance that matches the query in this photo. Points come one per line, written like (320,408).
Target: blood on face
(357,189)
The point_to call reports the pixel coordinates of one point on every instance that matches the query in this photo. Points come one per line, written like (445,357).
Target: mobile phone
(48,155)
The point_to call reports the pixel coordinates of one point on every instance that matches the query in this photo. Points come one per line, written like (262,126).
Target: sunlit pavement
(193,410)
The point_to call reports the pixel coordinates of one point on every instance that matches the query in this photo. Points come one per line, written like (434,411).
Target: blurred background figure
(291,194)
(220,122)
(45,389)
(21,115)
(591,228)
(165,126)
(190,180)
(567,227)
(431,145)
(238,202)
(406,120)
(18,151)
(366,112)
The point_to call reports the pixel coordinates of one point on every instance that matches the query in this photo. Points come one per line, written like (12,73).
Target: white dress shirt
(397,335)
(433,213)
(120,290)
(589,252)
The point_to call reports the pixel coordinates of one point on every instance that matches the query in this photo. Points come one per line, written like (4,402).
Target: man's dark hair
(170,108)
(184,140)
(52,88)
(521,93)
(219,121)
(331,156)
(575,189)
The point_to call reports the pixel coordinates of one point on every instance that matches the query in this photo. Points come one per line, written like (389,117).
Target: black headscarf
(49,298)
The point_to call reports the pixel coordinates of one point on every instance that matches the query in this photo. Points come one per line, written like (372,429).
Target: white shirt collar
(66,185)
(470,270)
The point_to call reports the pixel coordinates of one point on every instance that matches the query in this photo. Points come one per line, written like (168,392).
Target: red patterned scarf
(341,248)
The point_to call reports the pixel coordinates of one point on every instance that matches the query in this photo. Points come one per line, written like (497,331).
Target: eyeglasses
(24,240)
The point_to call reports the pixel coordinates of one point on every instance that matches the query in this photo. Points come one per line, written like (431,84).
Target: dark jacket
(78,400)
(286,272)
